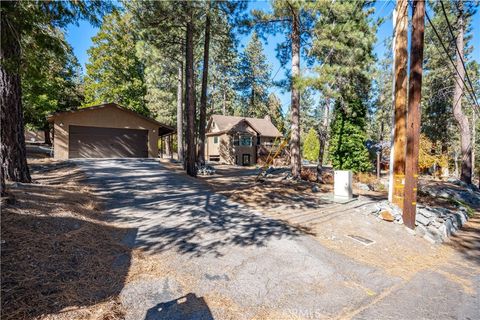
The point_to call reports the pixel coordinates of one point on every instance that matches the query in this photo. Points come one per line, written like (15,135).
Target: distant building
(239,140)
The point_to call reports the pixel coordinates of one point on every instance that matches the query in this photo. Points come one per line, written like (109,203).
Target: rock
(422,220)
(425,212)
(434,234)
(387,216)
(420,231)
(315,188)
(363,186)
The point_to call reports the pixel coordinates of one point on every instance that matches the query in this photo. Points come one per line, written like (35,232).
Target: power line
(450,58)
(458,51)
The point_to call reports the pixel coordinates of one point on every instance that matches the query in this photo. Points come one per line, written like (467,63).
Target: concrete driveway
(216,259)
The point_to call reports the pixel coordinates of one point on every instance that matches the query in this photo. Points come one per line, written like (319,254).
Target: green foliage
(343,42)
(114,72)
(311,146)
(379,116)
(275,112)
(50,83)
(347,149)
(254,79)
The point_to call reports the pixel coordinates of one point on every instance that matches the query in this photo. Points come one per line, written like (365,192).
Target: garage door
(95,142)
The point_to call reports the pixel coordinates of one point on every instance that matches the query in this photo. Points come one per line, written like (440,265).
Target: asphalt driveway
(222,260)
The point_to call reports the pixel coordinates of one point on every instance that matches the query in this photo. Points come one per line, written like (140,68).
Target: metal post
(413,119)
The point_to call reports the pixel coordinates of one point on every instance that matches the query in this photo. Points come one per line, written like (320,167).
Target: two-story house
(238,140)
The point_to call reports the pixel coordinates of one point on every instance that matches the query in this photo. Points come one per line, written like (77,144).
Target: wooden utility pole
(413,120)
(397,163)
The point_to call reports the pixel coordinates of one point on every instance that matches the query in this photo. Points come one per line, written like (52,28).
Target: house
(105,131)
(238,140)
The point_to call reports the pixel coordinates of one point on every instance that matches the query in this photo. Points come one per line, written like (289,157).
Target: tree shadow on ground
(175,212)
(467,240)
(187,307)
(58,255)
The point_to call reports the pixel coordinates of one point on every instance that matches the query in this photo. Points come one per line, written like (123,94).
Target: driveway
(216,259)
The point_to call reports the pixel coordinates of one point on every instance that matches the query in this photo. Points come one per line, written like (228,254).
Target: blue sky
(80,39)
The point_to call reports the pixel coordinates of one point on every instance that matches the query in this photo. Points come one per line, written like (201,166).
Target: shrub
(311,146)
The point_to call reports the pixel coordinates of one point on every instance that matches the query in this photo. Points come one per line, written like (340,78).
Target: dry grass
(60,259)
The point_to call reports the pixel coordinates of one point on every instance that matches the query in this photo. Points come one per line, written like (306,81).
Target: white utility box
(342,185)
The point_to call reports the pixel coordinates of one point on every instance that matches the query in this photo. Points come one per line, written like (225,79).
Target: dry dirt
(60,259)
(395,249)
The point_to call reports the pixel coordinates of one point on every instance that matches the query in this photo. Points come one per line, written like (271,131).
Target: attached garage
(106,131)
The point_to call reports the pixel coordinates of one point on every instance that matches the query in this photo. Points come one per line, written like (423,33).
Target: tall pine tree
(255,79)
(344,75)
(114,72)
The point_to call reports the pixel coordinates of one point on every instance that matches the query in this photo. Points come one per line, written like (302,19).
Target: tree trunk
(46,133)
(190,98)
(460,117)
(3,188)
(180,149)
(13,150)
(203,98)
(322,136)
(474,141)
(295,104)
(224,106)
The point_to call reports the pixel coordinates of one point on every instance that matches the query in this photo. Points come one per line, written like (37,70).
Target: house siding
(107,117)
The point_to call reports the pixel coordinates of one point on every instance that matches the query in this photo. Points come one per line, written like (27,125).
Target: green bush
(311,146)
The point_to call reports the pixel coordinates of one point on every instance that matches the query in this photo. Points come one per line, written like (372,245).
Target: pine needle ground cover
(60,259)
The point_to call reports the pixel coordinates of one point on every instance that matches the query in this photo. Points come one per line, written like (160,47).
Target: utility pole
(413,120)
(397,155)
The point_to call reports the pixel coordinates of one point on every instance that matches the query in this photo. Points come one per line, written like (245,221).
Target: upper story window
(236,140)
(215,140)
(245,140)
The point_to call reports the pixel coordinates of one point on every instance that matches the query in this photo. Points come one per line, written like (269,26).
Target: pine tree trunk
(3,188)
(295,104)
(224,106)
(460,117)
(203,98)
(13,150)
(180,149)
(46,133)
(322,136)
(190,98)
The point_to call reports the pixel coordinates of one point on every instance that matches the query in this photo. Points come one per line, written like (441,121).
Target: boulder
(387,216)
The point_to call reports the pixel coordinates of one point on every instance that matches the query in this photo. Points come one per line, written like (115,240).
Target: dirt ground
(56,249)
(394,248)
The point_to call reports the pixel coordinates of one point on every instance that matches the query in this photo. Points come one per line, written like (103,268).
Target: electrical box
(342,185)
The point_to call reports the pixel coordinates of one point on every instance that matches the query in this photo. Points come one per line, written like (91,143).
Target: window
(245,140)
(258,140)
(215,140)
(236,141)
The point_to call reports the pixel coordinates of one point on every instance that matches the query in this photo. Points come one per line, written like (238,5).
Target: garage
(93,142)
(106,131)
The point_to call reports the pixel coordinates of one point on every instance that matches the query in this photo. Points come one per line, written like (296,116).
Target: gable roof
(264,127)
(165,128)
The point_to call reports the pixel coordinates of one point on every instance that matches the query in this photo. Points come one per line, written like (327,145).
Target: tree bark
(46,133)
(203,98)
(180,149)
(460,117)
(295,160)
(224,106)
(322,136)
(13,150)
(190,98)
(3,188)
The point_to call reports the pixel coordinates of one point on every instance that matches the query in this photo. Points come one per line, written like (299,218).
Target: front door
(246,159)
